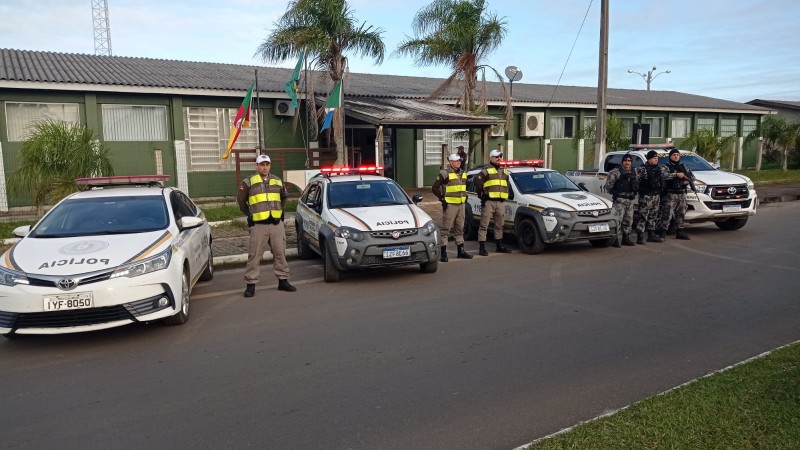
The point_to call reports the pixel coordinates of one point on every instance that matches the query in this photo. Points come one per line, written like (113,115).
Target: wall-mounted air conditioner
(532,124)
(283,108)
(498,130)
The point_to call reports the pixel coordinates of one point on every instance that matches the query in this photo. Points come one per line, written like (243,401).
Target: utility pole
(602,87)
(102,28)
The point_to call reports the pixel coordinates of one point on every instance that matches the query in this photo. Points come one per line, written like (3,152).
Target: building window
(728,127)
(748,126)
(627,122)
(708,123)
(656,126)
(20,116)
(207,131)
(562,127)
(134,123)
(680,127)
(434,139)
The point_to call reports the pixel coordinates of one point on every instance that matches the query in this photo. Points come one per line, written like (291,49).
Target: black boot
(626,240)
(652,236)
(443,256)
(283,285)
(502,248)
(616,243)
(463,253)
(482,249)
(640,238)
(662,234)
(681,234)
(250,290)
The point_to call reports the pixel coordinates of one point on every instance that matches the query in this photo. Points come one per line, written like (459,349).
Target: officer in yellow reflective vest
(450,188)
(262,198)
(491,185)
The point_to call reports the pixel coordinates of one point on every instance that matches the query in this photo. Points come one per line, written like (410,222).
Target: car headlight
(700,186)
(12,278)
(349,233)
(153,264)
(556,212)
(428,229)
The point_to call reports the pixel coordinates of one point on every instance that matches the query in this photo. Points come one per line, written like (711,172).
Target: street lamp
(649,77)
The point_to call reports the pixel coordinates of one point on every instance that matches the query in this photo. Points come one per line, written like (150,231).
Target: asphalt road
(484,354)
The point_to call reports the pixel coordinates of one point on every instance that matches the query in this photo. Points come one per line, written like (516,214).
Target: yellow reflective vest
(264,197)
(496,183)
(455,191)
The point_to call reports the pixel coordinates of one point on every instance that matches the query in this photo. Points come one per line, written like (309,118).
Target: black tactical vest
(653,184)
(625,186)
(675,185)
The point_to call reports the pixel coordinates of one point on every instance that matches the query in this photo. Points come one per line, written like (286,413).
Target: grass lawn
(755,405)
(772,176)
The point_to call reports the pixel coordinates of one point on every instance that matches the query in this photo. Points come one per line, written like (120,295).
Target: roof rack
(341,170)
(122,180)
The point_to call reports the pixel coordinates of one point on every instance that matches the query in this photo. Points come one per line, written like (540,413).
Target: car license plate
(63,302)
(598,228)
(396,252)
(731,208)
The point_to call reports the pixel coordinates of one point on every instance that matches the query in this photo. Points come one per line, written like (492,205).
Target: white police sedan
(124,250)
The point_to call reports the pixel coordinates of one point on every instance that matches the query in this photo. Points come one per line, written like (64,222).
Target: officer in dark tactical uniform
(673,204)
(651,184)
(622,184)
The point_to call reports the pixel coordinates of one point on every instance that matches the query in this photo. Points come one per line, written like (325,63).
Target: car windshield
(542,182)
(362,193)
(103,216)
(695,163)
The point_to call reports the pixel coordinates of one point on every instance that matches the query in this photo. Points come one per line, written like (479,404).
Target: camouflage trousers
(624,209)
(646,216)
(673,206)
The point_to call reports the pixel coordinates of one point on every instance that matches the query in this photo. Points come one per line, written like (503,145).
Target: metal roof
(399,112)
(785,104)
(25,69)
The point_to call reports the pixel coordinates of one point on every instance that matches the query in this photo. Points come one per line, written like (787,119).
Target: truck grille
(388,234)
(717,206)
(73,318)
(595,213)
(729,192)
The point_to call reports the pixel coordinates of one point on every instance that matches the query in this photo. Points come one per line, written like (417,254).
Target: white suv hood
(717,177)
(379,218)
(569,201)
(76,255)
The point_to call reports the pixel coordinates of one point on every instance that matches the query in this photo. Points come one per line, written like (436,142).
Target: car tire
(303,249)
(329,271)
(182,315)
(430,266)
(528,238)
(208,272)
(602,243)
(470,227)
(734,223)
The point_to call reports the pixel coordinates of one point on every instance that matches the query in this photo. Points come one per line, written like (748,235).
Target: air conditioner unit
(498,130)
(283,108)
(532,124)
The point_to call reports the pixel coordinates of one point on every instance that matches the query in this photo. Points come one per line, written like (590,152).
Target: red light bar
(653,146)
(523,162)
(122,180)
(341,170)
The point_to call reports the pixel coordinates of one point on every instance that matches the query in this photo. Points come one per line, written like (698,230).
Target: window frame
(22,137)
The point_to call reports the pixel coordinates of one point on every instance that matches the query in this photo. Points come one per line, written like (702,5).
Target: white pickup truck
(725,198)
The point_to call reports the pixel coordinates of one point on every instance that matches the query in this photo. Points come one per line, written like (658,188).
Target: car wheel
(430,266)
(602,243)
(183,314)
(734,223)
(303,250)
(470,226)
(208,272)
(528,237)
(329,271)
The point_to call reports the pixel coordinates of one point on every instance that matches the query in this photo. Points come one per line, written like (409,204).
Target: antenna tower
(102,28)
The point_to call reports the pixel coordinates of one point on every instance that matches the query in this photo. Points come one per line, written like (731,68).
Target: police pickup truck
(725,198)
(545,207)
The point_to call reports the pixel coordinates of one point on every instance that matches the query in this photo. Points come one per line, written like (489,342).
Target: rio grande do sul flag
(242,120)
(331,105)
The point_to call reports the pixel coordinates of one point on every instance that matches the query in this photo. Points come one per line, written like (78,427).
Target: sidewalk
(230,245)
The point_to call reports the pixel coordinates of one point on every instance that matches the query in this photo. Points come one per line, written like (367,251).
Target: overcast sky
(731,49)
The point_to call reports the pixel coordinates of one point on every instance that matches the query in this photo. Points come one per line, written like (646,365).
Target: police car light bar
(122,180)
(340,170)
(652,146)
(523,162)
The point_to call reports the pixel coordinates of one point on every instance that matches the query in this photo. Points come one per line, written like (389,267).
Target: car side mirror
(189,222)
(583,187)
(715,166)
(22,231)
(416,198)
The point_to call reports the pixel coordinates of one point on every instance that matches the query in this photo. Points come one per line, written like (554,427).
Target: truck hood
(719,177)
(380,218)
(77,255)
(569,201)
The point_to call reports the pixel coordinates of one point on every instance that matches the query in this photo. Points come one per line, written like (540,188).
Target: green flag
(291,85)
(331,105)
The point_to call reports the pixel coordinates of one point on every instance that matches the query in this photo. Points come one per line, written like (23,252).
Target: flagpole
(258,111)
(308,111)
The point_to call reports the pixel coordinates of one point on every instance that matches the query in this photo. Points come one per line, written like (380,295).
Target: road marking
(258,288)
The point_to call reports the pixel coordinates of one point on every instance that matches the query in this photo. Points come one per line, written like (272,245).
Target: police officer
(622,183)
(673,204)
(450,188)
(262,198)
(491,185)
(651,184)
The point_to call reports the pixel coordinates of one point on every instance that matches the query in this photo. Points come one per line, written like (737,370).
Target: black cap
(673,151)
(627,156)
(651,154)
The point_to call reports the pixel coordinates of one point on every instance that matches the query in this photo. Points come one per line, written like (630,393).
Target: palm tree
(54,154)
(326,29)
(616,136)
(459,34)
(711,147)
(778,135)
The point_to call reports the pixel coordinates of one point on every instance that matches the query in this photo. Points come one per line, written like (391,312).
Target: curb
(780,198)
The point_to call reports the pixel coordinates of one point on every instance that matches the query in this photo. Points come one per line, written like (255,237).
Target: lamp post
(649,77)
